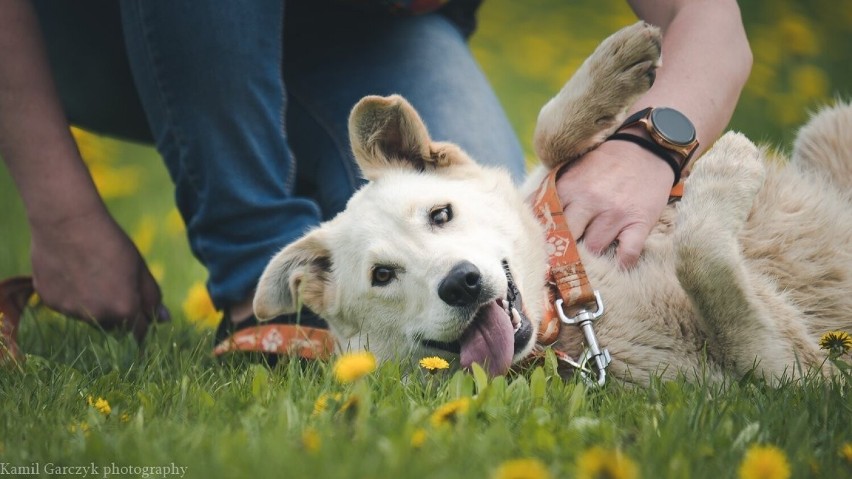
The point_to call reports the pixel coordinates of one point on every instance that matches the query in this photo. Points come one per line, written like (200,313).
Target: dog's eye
(382,275)
(441,215)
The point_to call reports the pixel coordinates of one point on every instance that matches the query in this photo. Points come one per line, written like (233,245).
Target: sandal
(14,294)
(304,335)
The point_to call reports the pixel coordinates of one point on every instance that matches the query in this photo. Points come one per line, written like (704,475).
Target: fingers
(602,232)
(606,230)
(631,241)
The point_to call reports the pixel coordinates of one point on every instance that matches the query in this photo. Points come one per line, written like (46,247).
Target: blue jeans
(248,102)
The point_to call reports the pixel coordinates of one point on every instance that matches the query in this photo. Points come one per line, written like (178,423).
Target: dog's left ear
(387,133)
(298,273)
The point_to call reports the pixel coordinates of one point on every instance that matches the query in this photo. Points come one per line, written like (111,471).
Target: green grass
(171,403)
(235,419)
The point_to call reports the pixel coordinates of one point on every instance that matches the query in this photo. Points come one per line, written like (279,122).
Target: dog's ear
(299,272)
(387,133)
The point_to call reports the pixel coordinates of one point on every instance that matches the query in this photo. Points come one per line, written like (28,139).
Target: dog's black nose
(461,287)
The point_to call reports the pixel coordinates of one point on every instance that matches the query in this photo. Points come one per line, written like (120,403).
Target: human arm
(84,265)
(618,191)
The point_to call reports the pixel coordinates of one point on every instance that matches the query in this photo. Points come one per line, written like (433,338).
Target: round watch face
(673,126)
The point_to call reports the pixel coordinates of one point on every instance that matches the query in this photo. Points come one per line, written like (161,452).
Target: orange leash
(571,298)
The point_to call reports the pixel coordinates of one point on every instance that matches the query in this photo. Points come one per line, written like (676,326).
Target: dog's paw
(624,67)
(728,177)
(594,102)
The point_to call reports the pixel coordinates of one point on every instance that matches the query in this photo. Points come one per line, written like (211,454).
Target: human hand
(615,194)
(85,266)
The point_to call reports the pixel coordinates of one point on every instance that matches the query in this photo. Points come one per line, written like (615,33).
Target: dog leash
(571,298)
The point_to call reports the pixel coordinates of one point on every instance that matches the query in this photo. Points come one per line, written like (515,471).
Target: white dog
(439,255)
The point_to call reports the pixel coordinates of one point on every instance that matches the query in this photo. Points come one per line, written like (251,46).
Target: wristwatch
(672,136)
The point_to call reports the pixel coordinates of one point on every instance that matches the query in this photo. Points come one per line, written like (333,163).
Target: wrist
(635,158)
(62,211)
(653,148)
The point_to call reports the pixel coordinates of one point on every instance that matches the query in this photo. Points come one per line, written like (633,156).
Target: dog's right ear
(298,272)
(387,133)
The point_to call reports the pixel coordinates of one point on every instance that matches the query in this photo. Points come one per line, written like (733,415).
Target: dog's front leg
(595,100)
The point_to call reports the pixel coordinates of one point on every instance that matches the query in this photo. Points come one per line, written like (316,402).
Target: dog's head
(436,255)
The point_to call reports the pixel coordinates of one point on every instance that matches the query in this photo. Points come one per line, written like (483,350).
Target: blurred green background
(802,59)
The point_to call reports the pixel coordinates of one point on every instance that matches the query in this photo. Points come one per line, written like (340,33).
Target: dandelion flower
(321,404)
(174,223)
(311,440)
(450,412)
(764,462)
(353,366)
(836,342)
(846,452)
(101,404)
(434,363)
(522,469)
(144,234)
(599,462)
(418,438)
(198,307)
(34,300)
(124,417)
(81,426)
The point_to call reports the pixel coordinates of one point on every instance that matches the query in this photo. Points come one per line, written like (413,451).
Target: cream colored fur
(744,274)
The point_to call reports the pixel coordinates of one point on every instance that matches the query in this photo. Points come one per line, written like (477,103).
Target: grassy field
(84,397)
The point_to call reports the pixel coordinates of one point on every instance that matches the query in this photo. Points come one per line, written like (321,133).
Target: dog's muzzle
(500,328)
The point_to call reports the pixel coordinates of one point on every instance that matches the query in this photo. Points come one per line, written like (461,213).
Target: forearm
(706,62)
(35,141)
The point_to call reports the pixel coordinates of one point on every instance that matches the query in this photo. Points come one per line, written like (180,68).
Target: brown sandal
(14,294)
(305,335)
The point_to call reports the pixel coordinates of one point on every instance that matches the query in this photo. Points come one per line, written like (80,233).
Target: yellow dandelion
(810,81)
(836,343)
(846,452)
(34,300)
(158,270)
(101,404)
(82,427)
(93,149)
(311,440)
(351,367)
(124,417)
(174,223)
(522,469)
(764,462)
(321,404)
(450,412)
(144,233)
(113,182)
(418,438)
(198,308)
(434,363)
(599,462)
(798,35)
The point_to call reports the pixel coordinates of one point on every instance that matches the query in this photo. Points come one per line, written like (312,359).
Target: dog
(438,255)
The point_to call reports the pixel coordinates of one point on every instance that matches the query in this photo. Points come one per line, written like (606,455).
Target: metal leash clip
(593,352)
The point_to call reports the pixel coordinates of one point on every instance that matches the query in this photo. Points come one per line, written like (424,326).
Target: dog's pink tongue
(489,341)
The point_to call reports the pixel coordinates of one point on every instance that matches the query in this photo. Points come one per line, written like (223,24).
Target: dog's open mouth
(499,330)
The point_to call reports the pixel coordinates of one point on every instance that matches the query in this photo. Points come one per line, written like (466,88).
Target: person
(706,62)
(247,104)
